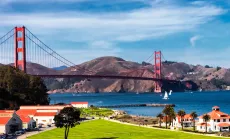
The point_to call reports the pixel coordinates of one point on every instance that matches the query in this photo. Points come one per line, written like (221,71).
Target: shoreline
(205,91)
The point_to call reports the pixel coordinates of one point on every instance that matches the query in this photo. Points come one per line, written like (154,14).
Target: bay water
(201,102)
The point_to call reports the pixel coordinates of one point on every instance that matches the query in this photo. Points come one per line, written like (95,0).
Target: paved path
(27,134)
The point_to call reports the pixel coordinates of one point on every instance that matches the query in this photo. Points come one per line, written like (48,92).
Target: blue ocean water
(201,102)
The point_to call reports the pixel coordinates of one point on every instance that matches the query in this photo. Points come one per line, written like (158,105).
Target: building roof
(7,111)
(26,112)
(45,114)
(25,119)
(215,107)
(4,120)
(35,107)
(79,103)
(216,114)
(223,125)
(203,124)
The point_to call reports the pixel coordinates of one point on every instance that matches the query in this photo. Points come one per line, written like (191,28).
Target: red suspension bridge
(20,46)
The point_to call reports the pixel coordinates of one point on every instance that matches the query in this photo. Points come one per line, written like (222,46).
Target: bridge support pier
(20,48)
(157,71)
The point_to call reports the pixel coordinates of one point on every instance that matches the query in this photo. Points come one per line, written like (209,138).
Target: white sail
(166,95)
(170,93)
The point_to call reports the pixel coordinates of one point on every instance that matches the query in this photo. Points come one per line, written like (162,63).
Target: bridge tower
(157,71)
(20,48)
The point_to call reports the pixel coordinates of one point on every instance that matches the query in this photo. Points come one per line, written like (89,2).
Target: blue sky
(191,31)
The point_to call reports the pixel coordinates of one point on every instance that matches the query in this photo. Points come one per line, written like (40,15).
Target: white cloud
(199,3)
(123,26)
(105,30)
(200,56)
(194,39)
(101,44)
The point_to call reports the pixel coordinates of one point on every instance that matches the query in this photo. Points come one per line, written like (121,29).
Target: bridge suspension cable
(7,48)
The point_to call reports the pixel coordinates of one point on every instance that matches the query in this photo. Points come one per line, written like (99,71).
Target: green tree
(160,116)
(218,68)
(206,118)
(167,111)
(194,116)
(181,113)
(172,117)
(23,89)
(68,117)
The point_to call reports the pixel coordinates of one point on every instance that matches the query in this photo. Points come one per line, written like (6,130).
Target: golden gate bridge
(20,46)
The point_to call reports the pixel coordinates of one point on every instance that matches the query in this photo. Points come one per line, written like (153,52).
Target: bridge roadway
(106,77)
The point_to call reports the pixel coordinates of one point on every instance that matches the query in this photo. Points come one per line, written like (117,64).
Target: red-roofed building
(219,121)
(45,107)
(26,112)
(79,104)
(44,118)
(9,121)
(27,122)
(187,121)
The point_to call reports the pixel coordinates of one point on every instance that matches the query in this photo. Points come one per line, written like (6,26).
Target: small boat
(73,94)
(191,92)
(166,96)
(137,93)
(170,92)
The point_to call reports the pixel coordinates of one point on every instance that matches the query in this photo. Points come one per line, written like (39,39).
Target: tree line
(169,114)
(18,88)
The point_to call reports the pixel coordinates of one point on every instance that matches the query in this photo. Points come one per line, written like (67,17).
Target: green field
(101,129)
(96,112)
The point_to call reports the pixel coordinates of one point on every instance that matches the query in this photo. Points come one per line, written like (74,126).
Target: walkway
(27,134)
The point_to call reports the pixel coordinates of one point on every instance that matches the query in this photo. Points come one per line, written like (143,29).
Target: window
(224,120)
(218,120)
(215,127)
(214,120)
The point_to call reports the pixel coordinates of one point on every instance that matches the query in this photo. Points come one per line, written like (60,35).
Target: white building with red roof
(27,119)
(219,121)
(44,118)
(80,104)
(9,121)
(187,121)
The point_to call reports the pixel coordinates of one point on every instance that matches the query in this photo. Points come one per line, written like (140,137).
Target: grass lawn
(101,129)
(96,112)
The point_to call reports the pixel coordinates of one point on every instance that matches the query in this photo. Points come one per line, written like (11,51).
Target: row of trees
(18,88)
(170,115)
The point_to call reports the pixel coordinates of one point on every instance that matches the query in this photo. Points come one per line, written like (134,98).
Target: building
(44,107)
(27,122)
(39,116)
(45,117)
(9,121)
(80,104)
(27,112)
(187,121)
(219,121)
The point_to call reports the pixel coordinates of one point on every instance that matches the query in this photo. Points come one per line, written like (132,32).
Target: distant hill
(204,77)
(60,68)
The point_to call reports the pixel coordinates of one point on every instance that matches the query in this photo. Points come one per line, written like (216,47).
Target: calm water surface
(201,102)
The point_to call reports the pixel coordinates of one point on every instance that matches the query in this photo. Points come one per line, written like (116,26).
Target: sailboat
(170,92)
(166,96)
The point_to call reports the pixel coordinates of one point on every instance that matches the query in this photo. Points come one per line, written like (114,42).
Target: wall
(2,129)
(44,120)
(80,105)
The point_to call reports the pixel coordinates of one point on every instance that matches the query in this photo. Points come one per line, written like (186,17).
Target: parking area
(22,134)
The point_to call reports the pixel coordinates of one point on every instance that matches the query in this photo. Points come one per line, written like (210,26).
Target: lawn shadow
(106,138)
